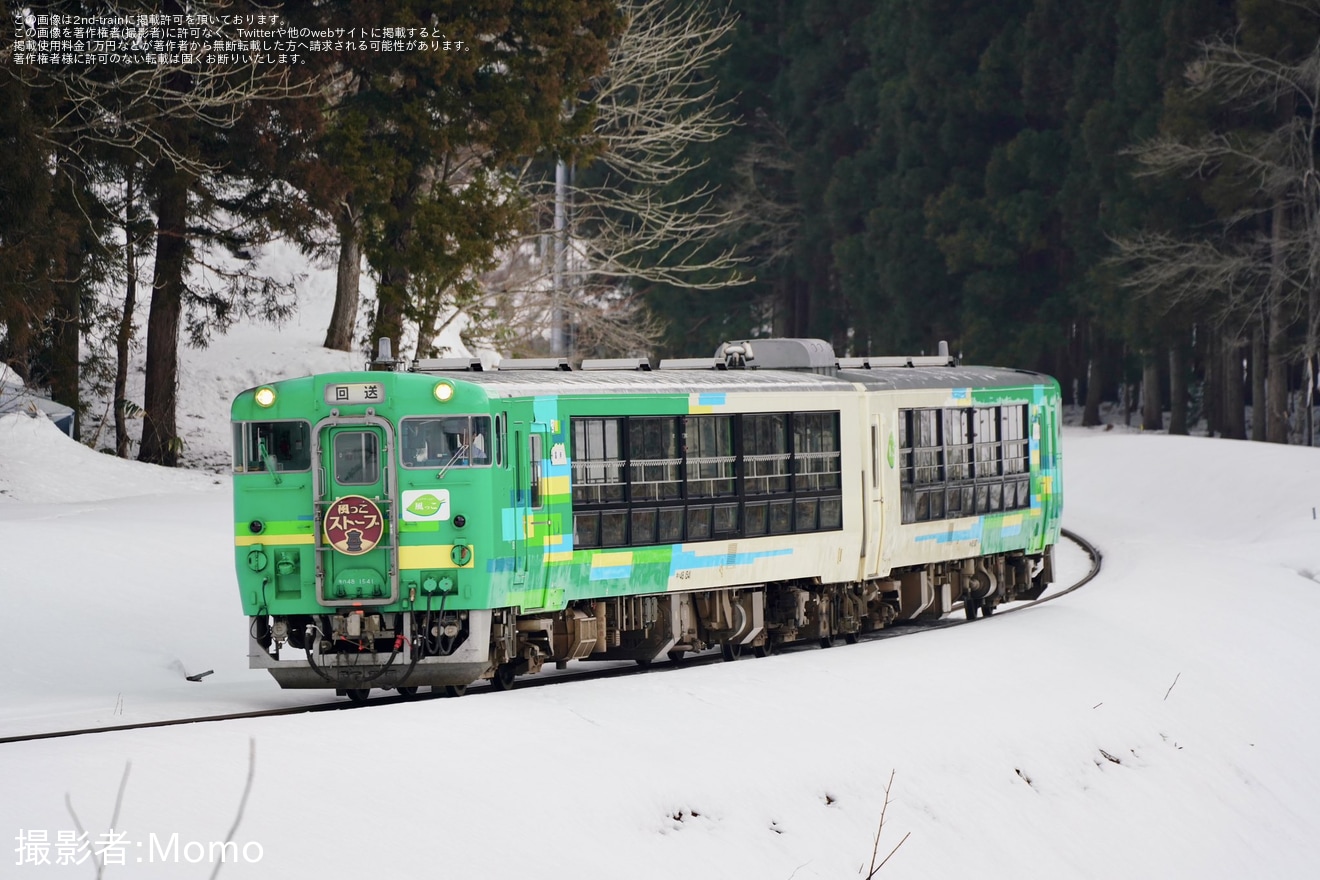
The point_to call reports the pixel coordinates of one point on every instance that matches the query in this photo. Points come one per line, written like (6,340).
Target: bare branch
(242,802)
(512,313)
(99,859)
(766,224)
(653,103)
(875,849)
(1261,264)
(1235,77)
(635,217)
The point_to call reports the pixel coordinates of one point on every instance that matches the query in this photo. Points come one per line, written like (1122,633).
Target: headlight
(444,392)
(265,396)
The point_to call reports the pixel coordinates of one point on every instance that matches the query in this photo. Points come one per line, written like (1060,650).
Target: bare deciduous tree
(654,101)
(1261,265)
(503,310)
(631,217)
(767,225)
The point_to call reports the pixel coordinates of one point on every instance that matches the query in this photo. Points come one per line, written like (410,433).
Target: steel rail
(891,631)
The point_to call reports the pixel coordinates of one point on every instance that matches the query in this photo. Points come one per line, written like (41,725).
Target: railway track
(545,680)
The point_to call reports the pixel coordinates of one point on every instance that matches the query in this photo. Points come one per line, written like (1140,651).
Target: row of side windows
(964,461)
(668,479)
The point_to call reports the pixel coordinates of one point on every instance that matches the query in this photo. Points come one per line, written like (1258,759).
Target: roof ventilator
(624,363)
(550,363)
(710,363)
(440,365)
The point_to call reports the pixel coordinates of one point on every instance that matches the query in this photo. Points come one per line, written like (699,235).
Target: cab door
(533,522)
(356,528)
(521,505)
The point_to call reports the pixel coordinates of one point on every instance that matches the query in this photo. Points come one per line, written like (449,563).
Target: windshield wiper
(268,461)
(458,453)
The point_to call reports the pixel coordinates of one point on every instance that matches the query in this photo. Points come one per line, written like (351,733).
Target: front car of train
(361,501)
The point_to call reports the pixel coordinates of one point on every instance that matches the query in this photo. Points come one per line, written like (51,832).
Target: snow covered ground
(1158,723)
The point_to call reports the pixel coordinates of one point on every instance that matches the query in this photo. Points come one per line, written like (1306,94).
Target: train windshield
(272,446)
(457,441)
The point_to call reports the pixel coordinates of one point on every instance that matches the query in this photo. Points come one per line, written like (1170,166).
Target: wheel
(765,649)
(677,656)
(644,662)
(504,676)
(827,641)
(987,609)
(730,651)
(357,695)
(407,693)
(455,690)
(850,638)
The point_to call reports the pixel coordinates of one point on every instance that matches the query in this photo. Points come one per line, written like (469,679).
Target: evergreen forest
(1120,193)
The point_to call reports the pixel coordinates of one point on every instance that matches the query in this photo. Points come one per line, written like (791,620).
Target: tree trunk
(1276,375)
(67,288)
(159,427)
(392,293)
(1235,427)
(1066,374)
(348,278)
(64,350)
(781,304)
(125,336)
(1091,412)
(16,346)
(123,442)
(430,315)
(391,296)
(1311,353)
(1066,364)
(1214,382)
(1258,383)
(1152,408)
(1178,386)
(1095,381)
(160,434)
(800,309)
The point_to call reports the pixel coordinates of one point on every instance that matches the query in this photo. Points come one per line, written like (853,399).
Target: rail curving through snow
(892,631)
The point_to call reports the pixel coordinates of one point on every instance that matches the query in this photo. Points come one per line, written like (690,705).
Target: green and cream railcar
(444,524)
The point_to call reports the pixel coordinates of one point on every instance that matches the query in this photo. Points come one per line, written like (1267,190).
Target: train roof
(766,365)
(898,378)
(524,383)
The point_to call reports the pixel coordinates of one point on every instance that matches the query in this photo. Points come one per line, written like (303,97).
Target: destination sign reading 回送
(362,392)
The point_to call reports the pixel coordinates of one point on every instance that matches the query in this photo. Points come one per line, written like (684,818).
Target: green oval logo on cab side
(425,505)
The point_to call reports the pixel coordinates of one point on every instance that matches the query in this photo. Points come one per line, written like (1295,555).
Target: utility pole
(558,315)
